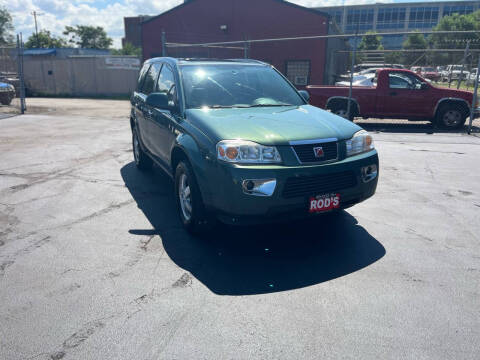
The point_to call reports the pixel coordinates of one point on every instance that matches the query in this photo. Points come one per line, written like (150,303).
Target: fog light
(369,173)
(259,187)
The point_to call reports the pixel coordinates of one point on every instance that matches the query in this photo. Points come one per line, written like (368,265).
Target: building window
(457,9)
(359,19)
(423,17)
(336,16)
(298,72)
(391,18)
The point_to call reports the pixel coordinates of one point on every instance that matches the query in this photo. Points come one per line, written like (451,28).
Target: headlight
(361,142)
(247,152)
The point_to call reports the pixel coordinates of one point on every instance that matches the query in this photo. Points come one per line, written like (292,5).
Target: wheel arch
(186,148)
(451,100)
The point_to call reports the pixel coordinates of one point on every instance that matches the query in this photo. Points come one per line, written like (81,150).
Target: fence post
(474,100)
(351,75)
(20,73)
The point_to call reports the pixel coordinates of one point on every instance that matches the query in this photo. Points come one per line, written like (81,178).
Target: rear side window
(150,78)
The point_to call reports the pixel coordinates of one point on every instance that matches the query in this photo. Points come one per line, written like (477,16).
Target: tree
(89,37)
(370,41)
(414,41)
(128,49)
(394,57)
(45,41)
(455,22)
(6,27)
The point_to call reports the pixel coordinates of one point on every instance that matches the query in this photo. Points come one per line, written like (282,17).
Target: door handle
(393,93)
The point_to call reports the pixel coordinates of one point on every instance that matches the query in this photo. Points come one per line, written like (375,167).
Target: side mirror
(424,86)
(305,95)
(158,100)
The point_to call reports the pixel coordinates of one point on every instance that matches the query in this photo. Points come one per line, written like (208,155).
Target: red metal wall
(199,21)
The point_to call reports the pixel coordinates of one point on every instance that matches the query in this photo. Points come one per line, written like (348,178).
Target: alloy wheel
(452,118)
(136,147)
(185,197)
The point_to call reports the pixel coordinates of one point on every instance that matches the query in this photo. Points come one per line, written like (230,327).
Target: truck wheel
(191,209)
(341,110)
(142,161)
(451,117)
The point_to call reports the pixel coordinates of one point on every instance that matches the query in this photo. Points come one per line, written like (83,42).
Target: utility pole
(35,14)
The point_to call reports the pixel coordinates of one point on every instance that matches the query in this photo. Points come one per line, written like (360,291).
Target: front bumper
(235,207)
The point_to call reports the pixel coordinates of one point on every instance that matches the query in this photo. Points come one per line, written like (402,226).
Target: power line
(345,36)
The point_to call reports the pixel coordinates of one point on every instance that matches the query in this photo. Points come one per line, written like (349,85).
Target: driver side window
(166,84)
(403,81)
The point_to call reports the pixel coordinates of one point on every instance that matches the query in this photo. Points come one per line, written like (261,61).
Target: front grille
(318,184)
(306,154)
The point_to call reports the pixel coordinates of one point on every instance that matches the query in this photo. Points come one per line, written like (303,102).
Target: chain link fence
(454,65)
(12,89)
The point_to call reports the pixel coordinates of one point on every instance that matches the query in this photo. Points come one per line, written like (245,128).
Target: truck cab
(397,94)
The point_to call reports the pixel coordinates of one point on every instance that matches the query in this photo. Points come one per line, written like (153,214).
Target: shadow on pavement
(412,127)
(255,259)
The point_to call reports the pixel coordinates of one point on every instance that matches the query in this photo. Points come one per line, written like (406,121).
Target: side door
(405,97)
(146,124)
(138,102)
(164,121)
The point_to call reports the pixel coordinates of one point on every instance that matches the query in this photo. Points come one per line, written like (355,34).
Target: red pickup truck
(398,94)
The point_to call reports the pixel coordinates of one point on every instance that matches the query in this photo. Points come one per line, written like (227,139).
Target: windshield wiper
(221,106)
(267,105)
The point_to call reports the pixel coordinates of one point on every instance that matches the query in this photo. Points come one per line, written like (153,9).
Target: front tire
(142,160)
(451,117)
(191,209)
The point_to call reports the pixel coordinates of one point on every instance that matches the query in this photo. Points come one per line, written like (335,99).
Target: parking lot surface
(94,263)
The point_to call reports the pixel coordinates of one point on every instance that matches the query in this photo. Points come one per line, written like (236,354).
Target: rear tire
(7,101)
(191,208)
(451,116)
(142,160)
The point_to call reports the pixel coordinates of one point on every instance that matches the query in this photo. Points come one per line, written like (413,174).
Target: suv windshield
(234,85)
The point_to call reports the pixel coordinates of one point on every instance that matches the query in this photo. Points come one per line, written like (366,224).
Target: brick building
(199,21)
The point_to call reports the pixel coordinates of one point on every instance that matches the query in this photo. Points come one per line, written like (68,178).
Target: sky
(56,14)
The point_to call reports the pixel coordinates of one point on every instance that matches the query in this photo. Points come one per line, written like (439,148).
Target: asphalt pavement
(94,263)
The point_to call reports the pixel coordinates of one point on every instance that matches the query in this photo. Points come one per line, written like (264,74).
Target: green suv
(243,145)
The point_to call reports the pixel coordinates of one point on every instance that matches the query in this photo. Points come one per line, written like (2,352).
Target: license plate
(322,203)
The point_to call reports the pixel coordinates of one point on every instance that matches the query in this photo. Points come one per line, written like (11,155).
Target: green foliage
(128,49)
(455,22)
(6,27)
(88,37)
(45,40)
(368,42)
(394,57)
(414,41)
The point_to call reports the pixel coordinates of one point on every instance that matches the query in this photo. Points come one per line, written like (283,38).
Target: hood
(271,125)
